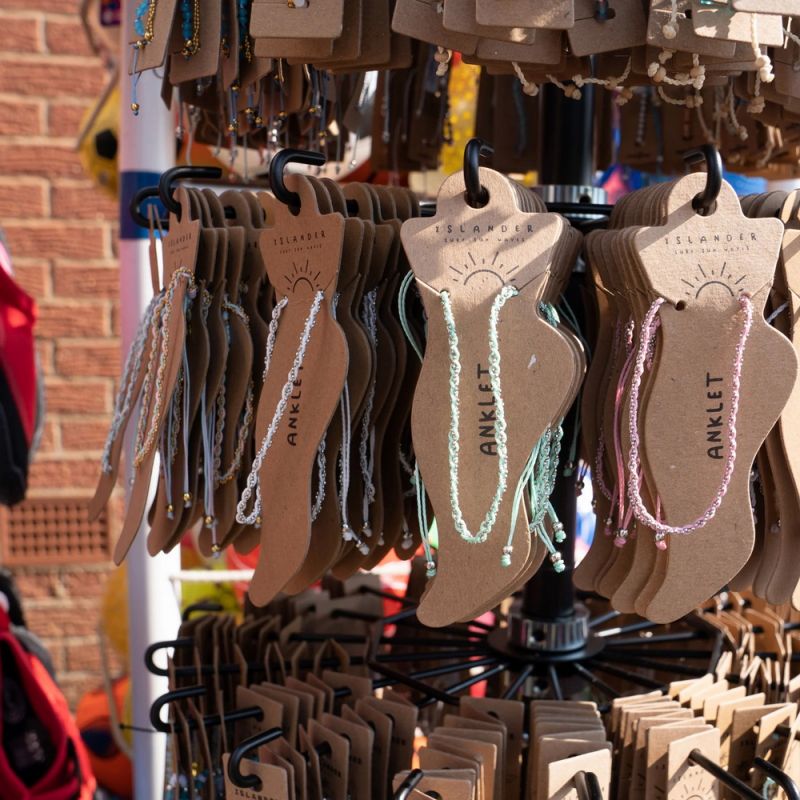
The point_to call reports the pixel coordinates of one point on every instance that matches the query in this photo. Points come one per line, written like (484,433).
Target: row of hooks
(475,195)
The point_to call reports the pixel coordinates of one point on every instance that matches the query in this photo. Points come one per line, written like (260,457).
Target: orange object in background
(112,768)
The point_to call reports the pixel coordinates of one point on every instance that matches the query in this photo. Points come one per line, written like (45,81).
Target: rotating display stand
(554,642)
(558,643)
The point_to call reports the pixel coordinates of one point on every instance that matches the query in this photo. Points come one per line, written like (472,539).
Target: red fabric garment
(18,315)
(69,777)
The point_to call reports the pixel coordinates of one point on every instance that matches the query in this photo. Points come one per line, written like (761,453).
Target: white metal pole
(146,149)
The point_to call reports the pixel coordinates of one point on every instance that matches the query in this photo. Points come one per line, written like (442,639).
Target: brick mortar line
(59,301)
(53,59)
(25,180)
(40,140)
(33,224)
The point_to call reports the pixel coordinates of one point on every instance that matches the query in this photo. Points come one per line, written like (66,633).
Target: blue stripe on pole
(130,183)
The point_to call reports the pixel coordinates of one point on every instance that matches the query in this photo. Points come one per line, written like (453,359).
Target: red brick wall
(61,231)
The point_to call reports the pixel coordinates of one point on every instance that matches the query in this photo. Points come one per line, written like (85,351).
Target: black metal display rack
(555,642)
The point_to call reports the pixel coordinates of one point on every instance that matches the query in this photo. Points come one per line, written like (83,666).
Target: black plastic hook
(144,194)
(407,786)
(780,777)
(170,697)
(477,196)
(723,776)
(152,667)
(208,606)
(168,178)
(239,753)
(705,202)
(278,165)
(209,721)
(587,785)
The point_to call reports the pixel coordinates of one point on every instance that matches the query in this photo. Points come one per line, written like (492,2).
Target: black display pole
(567,137)
(567,159)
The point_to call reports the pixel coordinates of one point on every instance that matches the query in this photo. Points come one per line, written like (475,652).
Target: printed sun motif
(473,268)
(303,275)
(697,785)
(703,280)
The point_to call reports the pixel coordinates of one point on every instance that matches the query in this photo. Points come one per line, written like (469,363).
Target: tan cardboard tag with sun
(494,377)
(708,273)
(305,376)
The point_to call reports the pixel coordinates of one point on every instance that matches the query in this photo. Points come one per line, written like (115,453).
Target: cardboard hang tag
(684,778)
(686,40)
(547,48)
(658,741)
(420,19)
(154,53)
(288,753)
(361,738)
(556,14)
(553,750)
(743,737)
(404,724)
(205,62)
(290,708)
(626,29)
(322,19)
(785,7)
(334,760)
(454,784)
(302,254)
(511,715)
(698,335)
(459,16)
(179,251)
(314,776)
(488,744)
(275,781)
(561,774)
(272,712)
(718,22)
(471,254)
(382,726)
(270,757)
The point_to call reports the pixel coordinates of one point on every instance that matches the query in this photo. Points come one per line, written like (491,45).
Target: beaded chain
(489,520)
(169,436)
(366,447)
(649,327)
(252,486)
(322,476)
(623,517)
(601,438)
(167,454)
(157,367)
(422,520)
(125,398)
(190,27)
(208,413)
(144,22)
(187,496)
(245,41)
(543,461)
(272,334)
(348,534)
(224,476)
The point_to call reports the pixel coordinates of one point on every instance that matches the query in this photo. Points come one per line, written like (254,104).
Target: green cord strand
(501,436)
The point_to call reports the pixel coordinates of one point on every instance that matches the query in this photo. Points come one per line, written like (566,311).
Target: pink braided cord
(601,439)
(634,464)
